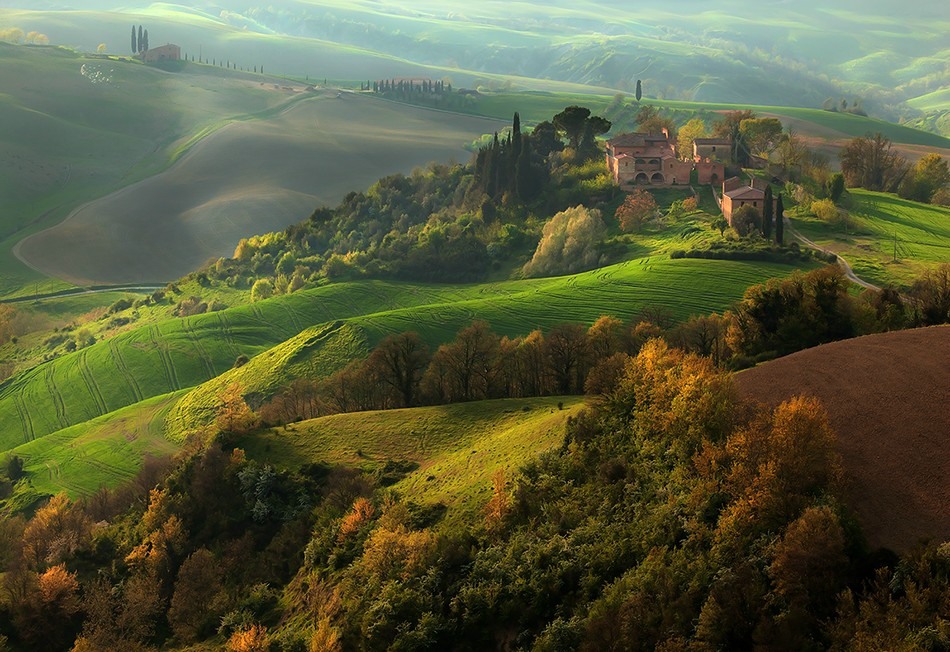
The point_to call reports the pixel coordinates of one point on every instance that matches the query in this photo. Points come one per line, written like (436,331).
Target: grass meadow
(179,353)
(458,448)
(889,240)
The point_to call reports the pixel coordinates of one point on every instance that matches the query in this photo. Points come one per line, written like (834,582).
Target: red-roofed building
(650,159)
(736,194)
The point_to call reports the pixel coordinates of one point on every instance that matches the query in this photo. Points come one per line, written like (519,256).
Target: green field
(457,447)
(181,353)
(105,451)
(890,240)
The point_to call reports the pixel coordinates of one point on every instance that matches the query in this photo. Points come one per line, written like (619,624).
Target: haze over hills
(781,53)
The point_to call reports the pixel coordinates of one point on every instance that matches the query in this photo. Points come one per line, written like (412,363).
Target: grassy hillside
(456,448)
(180,353)
(105,451)
(692,51)
(77,128)
(311,154)
(889,240)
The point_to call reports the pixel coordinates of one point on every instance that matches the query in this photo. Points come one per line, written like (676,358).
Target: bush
(569,243)
(262,289)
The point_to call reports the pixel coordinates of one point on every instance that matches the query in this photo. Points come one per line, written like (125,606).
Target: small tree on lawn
(635,210)
(745,220)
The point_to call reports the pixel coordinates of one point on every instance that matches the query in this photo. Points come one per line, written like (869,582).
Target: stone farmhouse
(736,194)
(167,52)
(712,149)
(650,159)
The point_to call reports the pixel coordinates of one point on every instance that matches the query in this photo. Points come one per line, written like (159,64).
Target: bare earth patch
(245,179)
(888,397)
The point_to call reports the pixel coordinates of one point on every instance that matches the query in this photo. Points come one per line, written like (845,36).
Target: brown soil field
(247,178)
(888,398)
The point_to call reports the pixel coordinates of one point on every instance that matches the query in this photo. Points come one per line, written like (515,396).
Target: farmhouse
(712,149)
(736,194)
(650,159)
(167,52)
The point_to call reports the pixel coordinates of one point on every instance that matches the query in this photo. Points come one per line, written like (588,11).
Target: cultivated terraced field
(105,451)
(457,447)
(887,397)
(922,237)
(181,353)
(248,178)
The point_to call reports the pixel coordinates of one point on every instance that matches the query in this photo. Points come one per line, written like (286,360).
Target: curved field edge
(889,240)
(182,353)
(104,452)
(458,448)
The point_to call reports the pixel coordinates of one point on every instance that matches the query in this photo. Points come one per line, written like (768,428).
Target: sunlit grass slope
(457,448)
(182,353)
(890,240)
(105,451)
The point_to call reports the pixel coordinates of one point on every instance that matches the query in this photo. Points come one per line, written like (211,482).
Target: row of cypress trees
(139,40)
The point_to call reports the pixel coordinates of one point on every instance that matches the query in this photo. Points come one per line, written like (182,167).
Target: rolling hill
(886,396)
(456,449)
(180,353)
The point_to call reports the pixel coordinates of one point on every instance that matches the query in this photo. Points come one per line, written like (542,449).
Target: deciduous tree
(637,208)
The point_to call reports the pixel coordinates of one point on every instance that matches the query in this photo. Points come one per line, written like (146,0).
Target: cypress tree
(767,214)
(145,47)
(135,42)
(525,185)
(141,39)
(780,221)
(639,90)
(516,136)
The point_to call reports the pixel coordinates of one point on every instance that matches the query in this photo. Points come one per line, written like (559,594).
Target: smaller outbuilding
(736,194)
(169,52)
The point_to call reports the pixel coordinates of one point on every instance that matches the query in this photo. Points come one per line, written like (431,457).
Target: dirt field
(247,178)
(888,397)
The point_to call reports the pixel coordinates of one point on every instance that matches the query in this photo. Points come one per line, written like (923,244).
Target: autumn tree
(48,618)
(651,121)
(637,207)
(569,243)
(232,414)
(871,162)
(399,361)
(930,174)
(567,354)
(931,295)
(467,364)
(688,133)
(196,603)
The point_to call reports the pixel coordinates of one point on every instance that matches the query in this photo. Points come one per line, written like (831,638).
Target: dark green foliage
(134,41)
(768,209)
(836,187)
(639,90)
(14,467)
(779,221)
(141,41)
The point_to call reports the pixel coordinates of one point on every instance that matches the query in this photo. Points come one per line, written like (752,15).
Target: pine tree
(780,221)
(767,214)
(135,43)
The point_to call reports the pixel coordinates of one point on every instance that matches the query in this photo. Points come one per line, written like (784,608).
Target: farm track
(24,414)
(56,396)
(845,266)
(91,384)
(126,373)
(163,354)
(203,355)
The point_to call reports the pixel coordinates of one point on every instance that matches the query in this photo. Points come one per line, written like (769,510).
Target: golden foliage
(59,587)
(253,639)
(326,638)
(361,514)
(56,531)
(397,553)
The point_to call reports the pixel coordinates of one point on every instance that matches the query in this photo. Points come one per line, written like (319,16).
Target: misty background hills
(892,59)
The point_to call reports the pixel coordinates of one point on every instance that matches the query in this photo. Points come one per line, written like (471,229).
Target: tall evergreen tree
(780,221)
(141,39)
(526,185)
(639,90)
(135,42)
(767,214)
(145,47)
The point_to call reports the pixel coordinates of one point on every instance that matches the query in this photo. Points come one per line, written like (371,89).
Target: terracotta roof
(745,192)
(636,140)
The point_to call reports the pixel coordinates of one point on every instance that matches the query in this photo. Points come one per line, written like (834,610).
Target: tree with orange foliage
(361,514)
(252,639)
(636,209)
